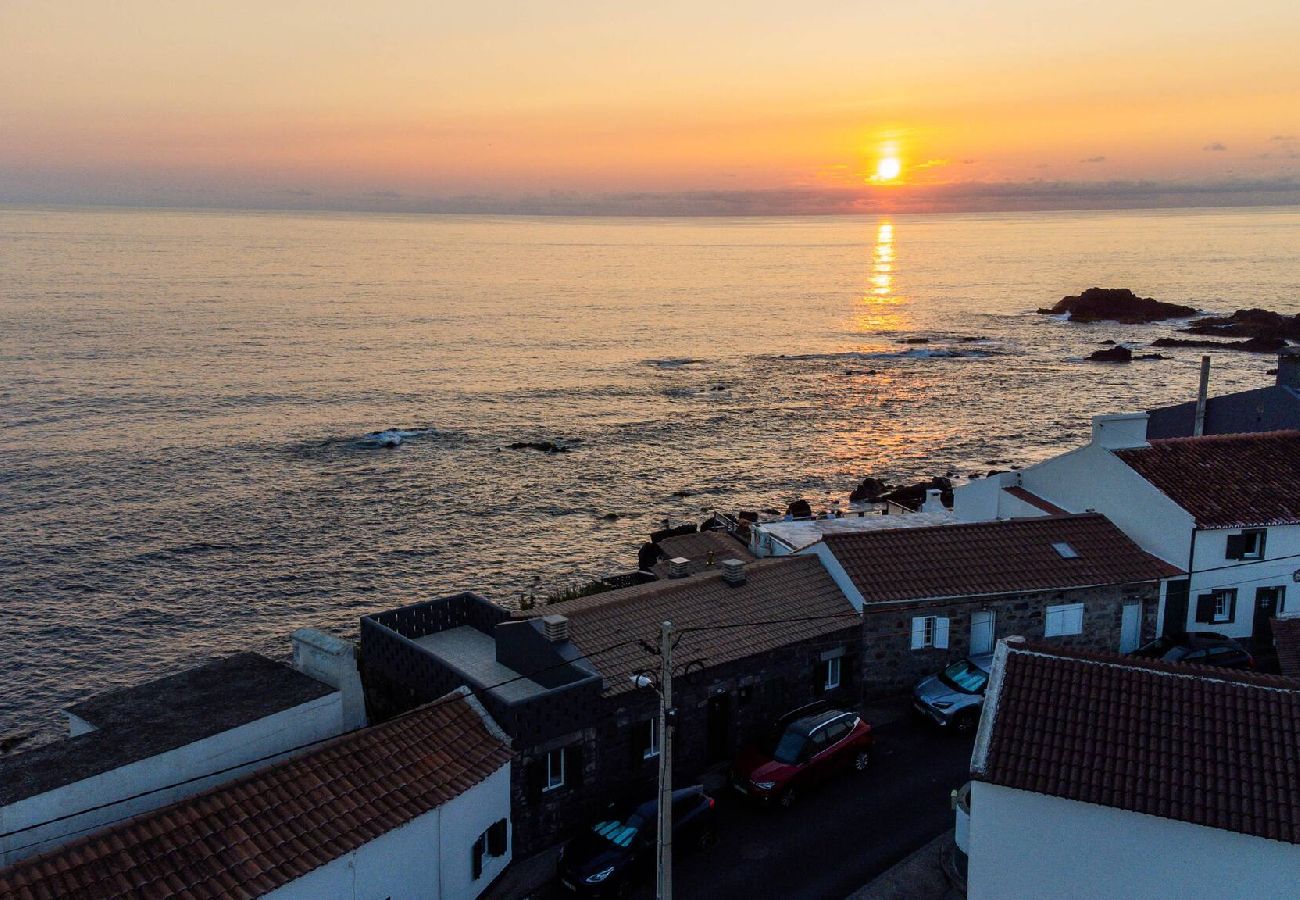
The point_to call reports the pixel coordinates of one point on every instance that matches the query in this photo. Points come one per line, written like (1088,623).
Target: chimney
(933,501)
(1288,368)
(1202,396)
(555,629)
(334,661)
(1121,431)
(733,571)
(678,567)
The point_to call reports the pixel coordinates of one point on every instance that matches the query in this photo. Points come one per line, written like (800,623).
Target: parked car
(954,697)
(618,850)
(802,752)
(1207,648)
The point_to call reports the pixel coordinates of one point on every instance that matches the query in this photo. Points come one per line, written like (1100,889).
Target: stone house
(1225,507)
(931,596)
(1102,776)
(754,641)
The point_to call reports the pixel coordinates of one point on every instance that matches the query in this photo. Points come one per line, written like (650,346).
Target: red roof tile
(1226,481)
(1209,746)
(999,557)
(1035,501)
(1286,638)
(699,548)
(796,590)
(254,835)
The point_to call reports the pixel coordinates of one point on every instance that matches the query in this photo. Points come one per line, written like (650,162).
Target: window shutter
(640,743)
(1236,546)
(918,632)
(498,838)
(573,765)
(1232,606)
(1205,608)
(941,633)
(476,859)
(819,677)
(534,779)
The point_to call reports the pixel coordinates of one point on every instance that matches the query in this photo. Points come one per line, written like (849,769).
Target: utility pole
(1198,427)
(666,717)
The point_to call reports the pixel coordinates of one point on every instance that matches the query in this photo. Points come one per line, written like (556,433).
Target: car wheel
(965,723)
(707,838)
(787,798)
(862,761)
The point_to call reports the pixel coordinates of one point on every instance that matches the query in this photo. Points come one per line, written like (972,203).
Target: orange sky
(241,102)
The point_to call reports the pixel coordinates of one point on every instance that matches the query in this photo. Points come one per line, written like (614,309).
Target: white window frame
(929,632)
(832,680)
(652,750)
(1257,553)
(1222,607)
(555,774)
(1063,620)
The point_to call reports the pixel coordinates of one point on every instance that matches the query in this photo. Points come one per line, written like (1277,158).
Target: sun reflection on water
(878,309)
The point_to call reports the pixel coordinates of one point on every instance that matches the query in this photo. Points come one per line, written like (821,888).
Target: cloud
(385,195)
(968,162)
(1215,147)
(1282,138)
(298,192)
(1093,159)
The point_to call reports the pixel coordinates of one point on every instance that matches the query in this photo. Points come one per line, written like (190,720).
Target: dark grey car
(953,697)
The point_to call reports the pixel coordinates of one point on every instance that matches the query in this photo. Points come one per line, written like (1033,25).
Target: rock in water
(1116,354)
(1249,323)
(800,509)
(1252,345)
(539,446)
(1117,305)
(868,490)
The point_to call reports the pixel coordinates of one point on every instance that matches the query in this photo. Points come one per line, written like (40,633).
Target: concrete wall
(1024,844)
(889,664)
(428,857)
(275,734)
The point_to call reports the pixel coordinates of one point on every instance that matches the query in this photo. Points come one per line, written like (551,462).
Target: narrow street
(842,834)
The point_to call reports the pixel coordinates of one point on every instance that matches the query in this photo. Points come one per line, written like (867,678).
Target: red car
(803,752)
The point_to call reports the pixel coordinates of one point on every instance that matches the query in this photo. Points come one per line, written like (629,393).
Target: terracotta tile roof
(785,589)
(1226,481)
(251,836)
(1035,501)
(1209,746)
(697,547)
(993,558)
(1286,638)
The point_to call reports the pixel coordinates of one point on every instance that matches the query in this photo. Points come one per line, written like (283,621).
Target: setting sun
(888,169)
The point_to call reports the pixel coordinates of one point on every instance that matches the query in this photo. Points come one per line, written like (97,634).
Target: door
(1268,600)
(1130,628)
(1176,601)
(718,728)
(981,632)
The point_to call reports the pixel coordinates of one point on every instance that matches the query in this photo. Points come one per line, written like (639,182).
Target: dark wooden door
(1267,601)
(718,728)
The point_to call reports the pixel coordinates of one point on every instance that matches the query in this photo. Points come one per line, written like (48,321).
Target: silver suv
(953,698)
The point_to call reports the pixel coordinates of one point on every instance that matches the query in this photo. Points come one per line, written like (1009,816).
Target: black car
(617,851)
(1205,648)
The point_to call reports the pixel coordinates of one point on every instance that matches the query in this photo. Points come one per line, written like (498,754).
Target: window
(1063,620)
(832,672)
(929,631)
(1065,550)
(1217,607)
(651,747)
(554,770)
(1247,545)
(491,843)
(836,730)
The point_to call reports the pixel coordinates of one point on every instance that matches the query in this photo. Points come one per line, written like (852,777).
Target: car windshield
(965,676)
(619,833)
(789,746)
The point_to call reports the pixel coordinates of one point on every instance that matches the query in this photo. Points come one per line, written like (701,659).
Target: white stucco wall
(428,857)
(1212,570)
(275,734)
(1024,844)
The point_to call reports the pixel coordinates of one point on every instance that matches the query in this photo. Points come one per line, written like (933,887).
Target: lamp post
(667,715)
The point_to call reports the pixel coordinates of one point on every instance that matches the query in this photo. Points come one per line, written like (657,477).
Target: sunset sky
(672,106)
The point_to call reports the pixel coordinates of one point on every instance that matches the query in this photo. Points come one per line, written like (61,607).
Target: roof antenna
(1202,391)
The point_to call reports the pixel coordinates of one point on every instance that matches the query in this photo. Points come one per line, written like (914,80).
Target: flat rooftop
(797,534)
(475,655)
(139,722)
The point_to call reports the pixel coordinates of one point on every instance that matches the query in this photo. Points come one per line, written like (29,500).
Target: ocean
(188,397)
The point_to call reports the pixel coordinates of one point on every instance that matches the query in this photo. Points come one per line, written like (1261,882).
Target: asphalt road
(840,835)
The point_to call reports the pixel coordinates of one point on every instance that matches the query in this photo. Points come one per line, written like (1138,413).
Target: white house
(1095,776)
(135,749)
(415,808)
(1226,508)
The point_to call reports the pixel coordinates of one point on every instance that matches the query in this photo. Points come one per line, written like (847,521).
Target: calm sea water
(186,397)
